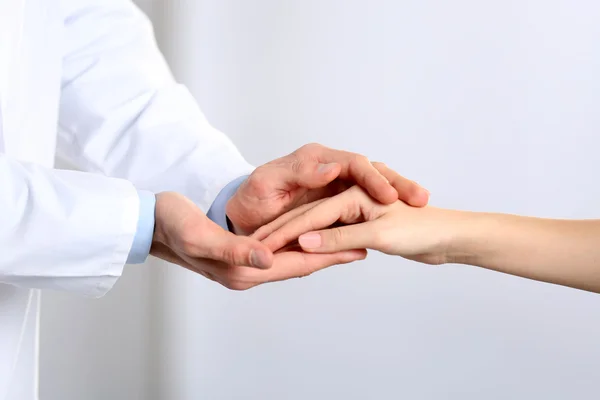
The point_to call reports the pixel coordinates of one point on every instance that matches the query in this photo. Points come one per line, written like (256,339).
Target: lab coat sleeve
(122,114)
(217,211)
(142,242)
(64,230)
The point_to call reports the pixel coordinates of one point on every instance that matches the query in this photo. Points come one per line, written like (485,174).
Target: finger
(359,169)
(321,216)
(408,191)
(359,236)
(299,264)
(225,247)
(368,177)
(336,187)
(285,266)
(265,230)
(309,174)
(345,208)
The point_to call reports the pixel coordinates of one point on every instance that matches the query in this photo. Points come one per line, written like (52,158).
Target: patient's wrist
(473,240)
(465,237)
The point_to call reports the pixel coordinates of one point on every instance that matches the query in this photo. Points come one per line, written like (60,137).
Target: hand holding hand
(185,236)
(421,234)
(311,173)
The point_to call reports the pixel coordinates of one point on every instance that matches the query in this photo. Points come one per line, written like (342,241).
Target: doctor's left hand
(184,235)
(311,173)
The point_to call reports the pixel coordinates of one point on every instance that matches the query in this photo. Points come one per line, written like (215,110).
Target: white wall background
(491,105)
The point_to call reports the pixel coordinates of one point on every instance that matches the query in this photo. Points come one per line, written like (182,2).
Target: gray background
(491,105)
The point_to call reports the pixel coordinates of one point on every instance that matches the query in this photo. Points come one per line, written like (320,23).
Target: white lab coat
(84,78)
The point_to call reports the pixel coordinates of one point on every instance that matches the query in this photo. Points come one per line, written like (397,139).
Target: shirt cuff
(145,229)
(216,213)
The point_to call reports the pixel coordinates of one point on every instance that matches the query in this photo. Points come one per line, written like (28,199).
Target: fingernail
(259,259)
(310,241)
(325,168)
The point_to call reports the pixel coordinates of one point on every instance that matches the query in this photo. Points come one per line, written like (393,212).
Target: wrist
(222,211)
(233,222)
(470,234)
(160,235)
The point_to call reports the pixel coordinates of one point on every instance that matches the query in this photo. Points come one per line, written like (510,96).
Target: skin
(185,236)
(310,173)
(563,252)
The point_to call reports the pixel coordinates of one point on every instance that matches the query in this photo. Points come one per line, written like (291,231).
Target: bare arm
(564,252)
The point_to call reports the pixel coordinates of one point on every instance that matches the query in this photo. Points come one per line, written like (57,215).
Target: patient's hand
(421,234)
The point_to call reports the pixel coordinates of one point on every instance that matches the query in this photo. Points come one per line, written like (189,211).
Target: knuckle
(356,197)
(310,147)
(352,212)
(257,183)
(379,166)
(221,254)
(360,164)
(238,255)
(360,160)
(337,236)
(235,255)
(355,191)
(241,255)
(409,188)
(298,166)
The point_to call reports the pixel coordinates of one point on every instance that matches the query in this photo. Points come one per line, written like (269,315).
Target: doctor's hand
(184,235)
(311,173)
(420,234)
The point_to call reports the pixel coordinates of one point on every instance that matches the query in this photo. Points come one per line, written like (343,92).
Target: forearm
(564,252)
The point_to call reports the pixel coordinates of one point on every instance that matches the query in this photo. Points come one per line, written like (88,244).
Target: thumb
(349,237)
(312,174)
(236,250)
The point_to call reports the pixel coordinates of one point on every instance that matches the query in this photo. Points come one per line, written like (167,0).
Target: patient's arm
(564,252)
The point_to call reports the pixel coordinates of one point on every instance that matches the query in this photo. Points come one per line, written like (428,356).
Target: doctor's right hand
(184,235)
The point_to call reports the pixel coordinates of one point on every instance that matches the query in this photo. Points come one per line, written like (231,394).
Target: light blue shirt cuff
(145,229)
(216,213)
